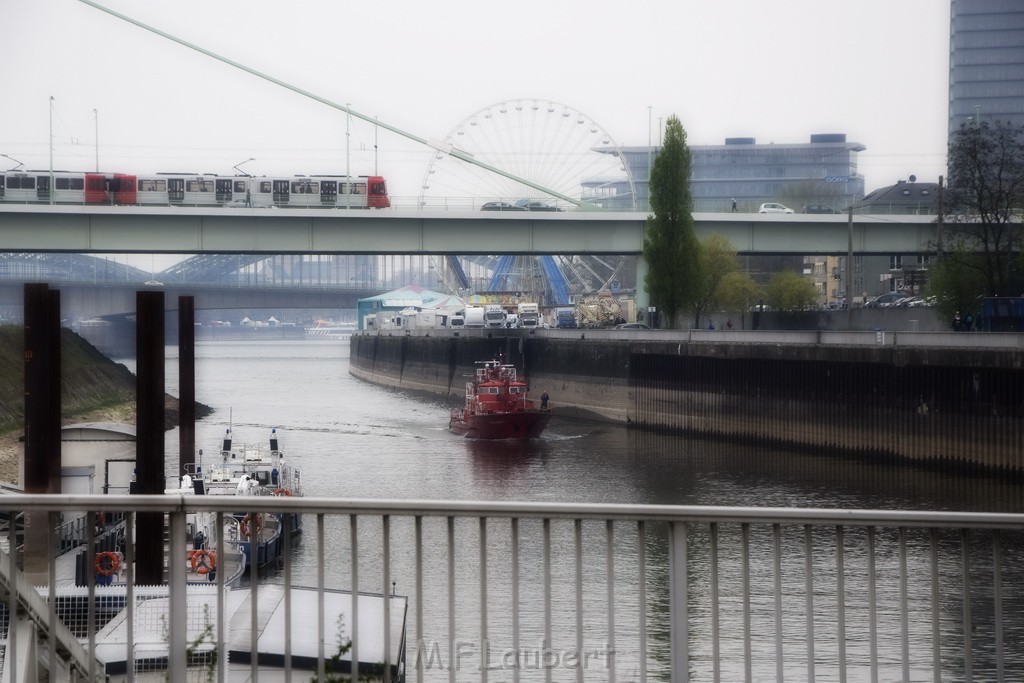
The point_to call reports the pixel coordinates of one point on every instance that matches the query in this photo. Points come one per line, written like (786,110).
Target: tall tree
(671,248)
(986,197)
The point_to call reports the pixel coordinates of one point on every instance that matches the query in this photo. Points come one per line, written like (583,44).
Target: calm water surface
(357,440)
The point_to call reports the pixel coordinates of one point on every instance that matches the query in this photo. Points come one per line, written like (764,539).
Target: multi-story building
(822,172)
(986,61)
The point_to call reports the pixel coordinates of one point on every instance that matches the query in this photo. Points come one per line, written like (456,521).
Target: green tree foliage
(788,291)
(671,248)
(737,292)
(986,199)
(955,281)
(717,259)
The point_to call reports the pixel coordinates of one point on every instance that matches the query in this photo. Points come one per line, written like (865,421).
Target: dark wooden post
(149,425)
(187,382)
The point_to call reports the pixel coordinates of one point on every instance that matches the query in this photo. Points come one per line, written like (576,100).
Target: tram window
(377,189)
(77,183)
(63,183)
(21,183)
(329,187)
(152,185)
(305,187)
(358,188)
(239,186)
(265,186)
(342,188)
(199,186)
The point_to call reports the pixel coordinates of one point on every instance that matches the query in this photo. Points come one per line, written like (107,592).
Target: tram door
(176,189)
(328,192)
(280,192)
(223,190)
(43,188)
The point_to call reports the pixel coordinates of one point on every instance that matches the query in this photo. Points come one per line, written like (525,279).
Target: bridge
(193,230)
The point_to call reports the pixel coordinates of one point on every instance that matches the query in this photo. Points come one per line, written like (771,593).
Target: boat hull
(520,425)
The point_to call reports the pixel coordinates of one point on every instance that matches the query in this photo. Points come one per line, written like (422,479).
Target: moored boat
(247,471)
(498,406)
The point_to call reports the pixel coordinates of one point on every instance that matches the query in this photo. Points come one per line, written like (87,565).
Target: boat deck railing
(550,591)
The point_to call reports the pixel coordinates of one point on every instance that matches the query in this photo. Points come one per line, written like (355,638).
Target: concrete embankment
(941,406)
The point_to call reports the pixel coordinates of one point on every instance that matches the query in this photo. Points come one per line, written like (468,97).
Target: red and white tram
(190,189)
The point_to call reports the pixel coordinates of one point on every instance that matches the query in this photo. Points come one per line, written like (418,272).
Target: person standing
(734,209)
(957,323)
(544,401)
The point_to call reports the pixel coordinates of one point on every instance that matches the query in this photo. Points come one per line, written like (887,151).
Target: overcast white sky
(776,70)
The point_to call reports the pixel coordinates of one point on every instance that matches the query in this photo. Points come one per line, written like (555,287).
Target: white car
(772,207)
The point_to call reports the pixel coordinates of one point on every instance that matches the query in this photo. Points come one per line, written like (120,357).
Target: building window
(895,263)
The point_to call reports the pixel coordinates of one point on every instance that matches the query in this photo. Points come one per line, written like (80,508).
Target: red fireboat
(497,406)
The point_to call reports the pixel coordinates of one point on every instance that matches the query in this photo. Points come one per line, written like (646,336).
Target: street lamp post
(348,172)
(50,189)
(96,119)
(649,142)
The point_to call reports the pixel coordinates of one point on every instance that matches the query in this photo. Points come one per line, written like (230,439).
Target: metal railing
(547,591)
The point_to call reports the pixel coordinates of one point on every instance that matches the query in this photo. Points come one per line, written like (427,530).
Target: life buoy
(203,561)
(282,492)
(108,563)
(256,522)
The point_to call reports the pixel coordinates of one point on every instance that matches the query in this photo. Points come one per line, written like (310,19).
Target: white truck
(529,316)
(474,317)
(494,316)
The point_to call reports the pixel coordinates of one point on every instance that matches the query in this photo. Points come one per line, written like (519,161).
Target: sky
(775,70)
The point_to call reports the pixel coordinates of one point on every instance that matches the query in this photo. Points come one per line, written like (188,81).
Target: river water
(357,440)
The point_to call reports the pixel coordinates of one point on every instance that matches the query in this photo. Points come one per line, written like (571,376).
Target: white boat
(252,470)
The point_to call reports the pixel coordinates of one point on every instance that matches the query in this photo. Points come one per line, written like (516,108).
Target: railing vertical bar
(933,543)
(386,530)
(578,529)
(177,639)
(90,543)
(997,598)
(129,575)
(452,669)
(222,646)
(748,670)
(904,612)
(641,569)
(420,642)
(484,646)
(320,571)
(353,522)
(841,601)
(968,619)
(777,571)
(872,607)
(10,653)
(289,521)
(716,635)
(547,594)
(677,597)
(809,591)
(515,600)
(255,528)
(610,571)
(51,552)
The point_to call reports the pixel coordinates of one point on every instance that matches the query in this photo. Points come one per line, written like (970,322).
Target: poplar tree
(671,248)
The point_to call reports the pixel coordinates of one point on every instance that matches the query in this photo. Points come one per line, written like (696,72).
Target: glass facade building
(986,61)
(821,172)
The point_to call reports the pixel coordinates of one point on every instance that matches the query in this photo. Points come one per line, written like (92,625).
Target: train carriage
(194,189)
(33,187)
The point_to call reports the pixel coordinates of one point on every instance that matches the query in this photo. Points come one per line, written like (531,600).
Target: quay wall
(945,406)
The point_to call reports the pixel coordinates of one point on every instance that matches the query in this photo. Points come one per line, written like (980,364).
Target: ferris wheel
(546,143)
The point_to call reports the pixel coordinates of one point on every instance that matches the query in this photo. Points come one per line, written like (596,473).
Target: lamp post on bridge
(50,189)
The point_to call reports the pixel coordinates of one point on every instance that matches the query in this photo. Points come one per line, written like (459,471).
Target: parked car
(631,326)
(502,206)
(885,300)
(773,207)
(818,208)
(533,205)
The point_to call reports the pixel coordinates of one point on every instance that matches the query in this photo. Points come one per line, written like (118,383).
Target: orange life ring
(108,563)
(203,561)
(257,524)
(282,492)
